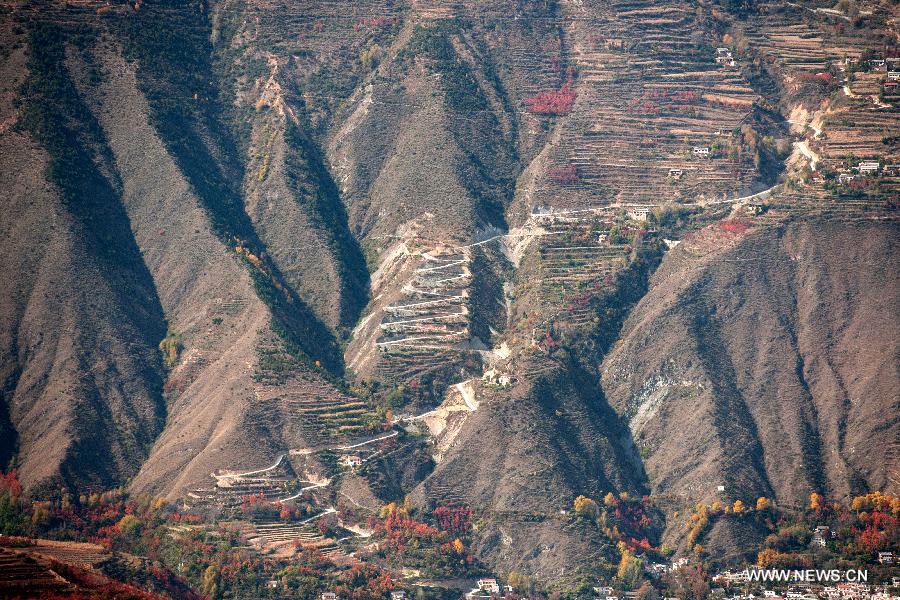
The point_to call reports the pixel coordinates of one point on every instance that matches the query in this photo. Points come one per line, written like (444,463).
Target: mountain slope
(82,377)
(756,344)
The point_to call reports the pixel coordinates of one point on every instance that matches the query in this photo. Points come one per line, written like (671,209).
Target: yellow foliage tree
(585,506)
(762,503)
(129,525)
(630,570)
(609,499)
(458,546)
(767,558)
(209,583)
(816,502)
(170,347)
(388,510)
(739,507)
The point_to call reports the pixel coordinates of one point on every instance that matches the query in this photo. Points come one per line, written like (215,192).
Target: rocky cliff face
(236,229)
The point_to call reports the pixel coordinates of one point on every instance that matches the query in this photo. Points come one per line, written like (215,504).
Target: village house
(638,213)
(820,535)
(868,167)
(893,75)
(724,57)
(877,62)
(852,590)
(398,595)
(272,584)
(725,60)
(701,150)
(845,178)
(328,596)
(489,585)
(731,577)
(886,558)
(676,173)
(352,460)
(477,594)
(603,590)
(755,208)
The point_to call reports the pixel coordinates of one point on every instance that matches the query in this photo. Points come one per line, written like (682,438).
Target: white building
(489,585)
(638,213)
(868,166)
(352,460)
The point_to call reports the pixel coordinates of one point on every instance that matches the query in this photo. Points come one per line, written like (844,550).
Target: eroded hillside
(492,254)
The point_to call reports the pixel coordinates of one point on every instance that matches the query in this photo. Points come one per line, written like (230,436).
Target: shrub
(553,102)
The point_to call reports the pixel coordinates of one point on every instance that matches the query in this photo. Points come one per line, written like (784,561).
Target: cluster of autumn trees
(553,102)
(439,548)
(628,521)
(702,515)
(858,531)
(735,226)
(257,507)
(186,550)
